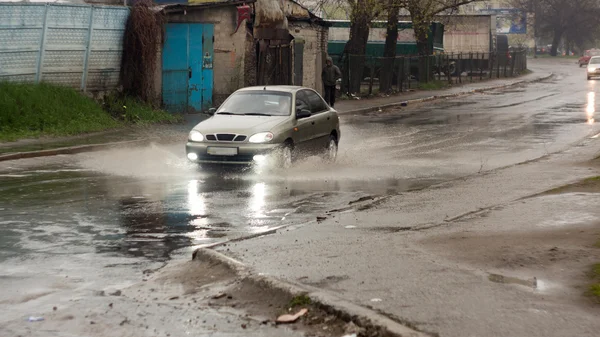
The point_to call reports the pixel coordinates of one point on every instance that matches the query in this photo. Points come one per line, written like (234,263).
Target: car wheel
(332,149)
(286,156)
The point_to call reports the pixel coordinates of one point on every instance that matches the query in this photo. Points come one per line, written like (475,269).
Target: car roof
(280,88)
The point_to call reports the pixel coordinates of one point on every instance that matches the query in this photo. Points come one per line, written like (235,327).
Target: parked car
(593,67)
(587,55)
(258,123)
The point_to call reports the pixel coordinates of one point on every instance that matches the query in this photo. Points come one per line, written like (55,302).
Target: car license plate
(222,151)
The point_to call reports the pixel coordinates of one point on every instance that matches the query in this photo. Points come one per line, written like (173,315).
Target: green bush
(31,110)
(35,109)
(131,110)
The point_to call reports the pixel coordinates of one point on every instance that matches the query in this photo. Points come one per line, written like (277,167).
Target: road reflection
(196,204)
(591,107)
(257,200)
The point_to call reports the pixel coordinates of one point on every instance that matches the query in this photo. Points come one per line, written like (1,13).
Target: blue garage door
(187,74)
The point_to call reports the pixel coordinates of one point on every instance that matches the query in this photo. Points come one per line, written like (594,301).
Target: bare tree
(573,20)
(361,14)
(422,13)
(389,53)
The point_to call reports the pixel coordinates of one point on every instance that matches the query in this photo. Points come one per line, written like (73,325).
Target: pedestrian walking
(331,73)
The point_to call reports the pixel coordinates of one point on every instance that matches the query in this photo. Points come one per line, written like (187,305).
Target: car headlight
(262,137)
(591,69)
(196,136)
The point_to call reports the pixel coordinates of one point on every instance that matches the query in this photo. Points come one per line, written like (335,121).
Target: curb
(438,97)
(345,310)
(100,147)
(72,149)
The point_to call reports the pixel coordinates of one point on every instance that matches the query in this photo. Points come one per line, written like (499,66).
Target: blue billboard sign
(509,20)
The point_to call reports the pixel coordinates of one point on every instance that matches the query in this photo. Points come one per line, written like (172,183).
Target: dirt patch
(538,249)
(262,301)
(193,275)
(219,287)
(562,256)
(594,290)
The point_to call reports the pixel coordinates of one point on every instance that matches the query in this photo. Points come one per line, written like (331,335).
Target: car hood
(243,125)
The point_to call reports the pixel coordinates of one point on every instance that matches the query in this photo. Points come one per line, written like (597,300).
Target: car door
(304,131)
(322,119)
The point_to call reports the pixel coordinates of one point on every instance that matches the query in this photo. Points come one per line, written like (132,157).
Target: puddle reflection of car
(593,67)
(258,123)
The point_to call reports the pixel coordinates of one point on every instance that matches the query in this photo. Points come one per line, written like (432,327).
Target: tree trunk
(555,42)
(421,26)
(355,49)
(424,53)
(386,74)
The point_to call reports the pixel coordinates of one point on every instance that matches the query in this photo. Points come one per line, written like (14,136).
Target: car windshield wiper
(256,114)
(226,113)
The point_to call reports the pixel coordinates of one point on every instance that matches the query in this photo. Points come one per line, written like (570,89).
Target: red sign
(243,13)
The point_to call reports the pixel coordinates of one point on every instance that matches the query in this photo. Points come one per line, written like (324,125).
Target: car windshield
(258,103)
(595,60)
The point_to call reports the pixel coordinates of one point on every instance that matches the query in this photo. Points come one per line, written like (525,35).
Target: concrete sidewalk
(30,148)
(408,258)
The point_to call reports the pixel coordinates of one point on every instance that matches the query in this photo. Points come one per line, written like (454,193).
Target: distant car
(587,55)
(258,123)
(593,67)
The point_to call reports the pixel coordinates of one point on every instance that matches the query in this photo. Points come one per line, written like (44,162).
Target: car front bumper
(246,152)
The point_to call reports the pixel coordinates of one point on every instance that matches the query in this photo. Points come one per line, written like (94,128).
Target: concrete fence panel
(74,45)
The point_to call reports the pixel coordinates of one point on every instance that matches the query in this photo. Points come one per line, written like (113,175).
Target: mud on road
(198,297)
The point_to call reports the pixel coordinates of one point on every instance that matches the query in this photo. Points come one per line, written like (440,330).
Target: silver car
(256,123)
(593,67)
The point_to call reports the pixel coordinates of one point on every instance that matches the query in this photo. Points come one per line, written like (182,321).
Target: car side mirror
(211,111)
(304,113)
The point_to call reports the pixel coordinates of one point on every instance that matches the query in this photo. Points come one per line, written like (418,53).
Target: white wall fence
(74,45)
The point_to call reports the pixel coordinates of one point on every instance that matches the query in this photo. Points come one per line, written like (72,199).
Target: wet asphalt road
(101,219)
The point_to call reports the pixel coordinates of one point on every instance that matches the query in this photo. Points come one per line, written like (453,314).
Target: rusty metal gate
(275,65)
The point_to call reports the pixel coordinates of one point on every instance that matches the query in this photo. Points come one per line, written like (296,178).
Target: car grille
(239,158)
(226,137)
